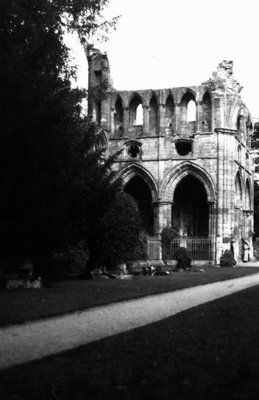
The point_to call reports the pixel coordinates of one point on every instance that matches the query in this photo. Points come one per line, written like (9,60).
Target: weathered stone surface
(186,153)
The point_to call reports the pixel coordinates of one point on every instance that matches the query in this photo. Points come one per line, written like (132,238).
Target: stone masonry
(185,154)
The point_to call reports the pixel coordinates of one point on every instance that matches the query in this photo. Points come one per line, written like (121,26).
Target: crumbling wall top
(222,80)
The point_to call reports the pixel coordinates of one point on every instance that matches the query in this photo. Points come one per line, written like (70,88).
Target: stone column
(220,194)
(125,121)
(225,164)
(213,125)
(198,116)
(161,119)
(162,214)
(212,228)
(146,120)
(177,118)
(105,114)
(112,122)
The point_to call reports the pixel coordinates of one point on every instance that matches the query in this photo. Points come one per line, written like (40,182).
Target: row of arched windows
(185,123)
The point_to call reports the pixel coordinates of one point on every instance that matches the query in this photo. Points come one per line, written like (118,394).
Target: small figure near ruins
(246,249)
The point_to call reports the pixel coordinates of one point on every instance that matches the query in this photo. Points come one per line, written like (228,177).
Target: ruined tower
(185,156)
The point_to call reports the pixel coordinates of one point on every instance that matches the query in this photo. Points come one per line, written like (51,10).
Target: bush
(183,258)
(140,252)
(227,259)
(74,260)
(117,233)
(167,235)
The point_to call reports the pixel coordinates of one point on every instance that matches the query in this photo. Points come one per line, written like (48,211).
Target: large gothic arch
(134,169)
(179,172)
(139,183)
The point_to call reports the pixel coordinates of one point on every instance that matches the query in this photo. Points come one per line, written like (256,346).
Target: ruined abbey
(185,157)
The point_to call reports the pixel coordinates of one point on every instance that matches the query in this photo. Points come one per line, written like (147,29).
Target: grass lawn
(62,297)
(209,352)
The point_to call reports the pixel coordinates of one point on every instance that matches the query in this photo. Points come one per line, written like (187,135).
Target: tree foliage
(117,232)
(51,180)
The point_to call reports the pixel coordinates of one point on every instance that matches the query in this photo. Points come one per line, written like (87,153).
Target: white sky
(168,43)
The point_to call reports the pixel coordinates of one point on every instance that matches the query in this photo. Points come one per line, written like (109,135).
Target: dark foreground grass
(63,297)
(209,352)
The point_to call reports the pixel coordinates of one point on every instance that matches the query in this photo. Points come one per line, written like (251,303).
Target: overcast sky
(168,43)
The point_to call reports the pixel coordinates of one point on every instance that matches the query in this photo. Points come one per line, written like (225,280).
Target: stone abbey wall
(185,153)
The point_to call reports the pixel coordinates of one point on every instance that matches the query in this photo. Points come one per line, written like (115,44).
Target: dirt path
(30,341)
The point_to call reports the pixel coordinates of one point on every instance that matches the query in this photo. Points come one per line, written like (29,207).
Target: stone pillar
(161,119)
(112,122)
(125,121)
(146,120)
(198,116)
(225,182)
(218,109)
(212,228)
(220,195)
(105,114)
(213,125)
(177,118)
(162,215)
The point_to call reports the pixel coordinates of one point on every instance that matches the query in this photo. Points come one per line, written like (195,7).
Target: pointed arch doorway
(190,211)
(140,192)
(191,218)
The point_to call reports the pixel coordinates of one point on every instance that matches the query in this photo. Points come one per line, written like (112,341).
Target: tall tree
(41,129)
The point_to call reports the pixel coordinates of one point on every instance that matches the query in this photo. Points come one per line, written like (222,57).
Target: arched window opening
(191,111)
(101,140)
(206,112)
(238,191)
(140,192)
(188,114)
(97,112)
(247,197)
(118,117)
(139,115)
(190,211)
(136,116)
(237,228)
(169,114)
(153,116)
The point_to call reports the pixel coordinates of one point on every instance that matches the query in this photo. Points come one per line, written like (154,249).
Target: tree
(116,236)
(94,189)
(41,128)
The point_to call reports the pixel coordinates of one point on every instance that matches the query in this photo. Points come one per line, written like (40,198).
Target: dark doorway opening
(140,192)
(190,211)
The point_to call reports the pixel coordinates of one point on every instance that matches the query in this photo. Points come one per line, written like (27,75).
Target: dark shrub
(140,252)
(117,233)
(72,261)
(227,259)
(167,235)
(183,258)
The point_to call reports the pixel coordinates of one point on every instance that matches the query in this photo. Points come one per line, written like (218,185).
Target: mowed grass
(22,305)
(208,352)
